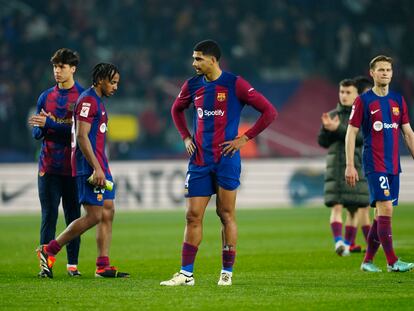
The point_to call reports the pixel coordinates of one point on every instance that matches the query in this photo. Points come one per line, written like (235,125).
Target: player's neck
(213,75)
(67,84)
(98,90)
(381,90)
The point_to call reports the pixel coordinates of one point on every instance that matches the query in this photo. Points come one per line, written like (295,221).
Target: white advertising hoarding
(160,184)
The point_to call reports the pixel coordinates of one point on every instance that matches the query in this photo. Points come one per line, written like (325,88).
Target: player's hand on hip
(232,146)
(189,145)
(351,176)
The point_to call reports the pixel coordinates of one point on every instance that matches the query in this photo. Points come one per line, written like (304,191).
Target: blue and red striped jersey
(217,109)
(380,118)
(56,151)
(91,109)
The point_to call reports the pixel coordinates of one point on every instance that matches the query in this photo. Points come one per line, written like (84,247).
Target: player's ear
(371,73)
(73,69)
(99,83)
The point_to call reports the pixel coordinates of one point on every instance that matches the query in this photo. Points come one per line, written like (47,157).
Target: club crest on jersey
(386,192)
(221,97)
(395,111)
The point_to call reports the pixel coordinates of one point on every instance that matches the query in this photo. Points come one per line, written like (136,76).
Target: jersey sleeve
(404,117)
(181,103)
(248,95)
(58,127)
(357,113)
(86,109)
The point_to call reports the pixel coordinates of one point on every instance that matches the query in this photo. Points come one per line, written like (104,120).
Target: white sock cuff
(186,273)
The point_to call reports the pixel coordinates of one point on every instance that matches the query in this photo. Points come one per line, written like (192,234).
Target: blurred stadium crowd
(151,41)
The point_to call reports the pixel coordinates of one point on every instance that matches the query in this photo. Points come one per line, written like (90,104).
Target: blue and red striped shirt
(217,108)
(56,151)
(381,118)
(91,109)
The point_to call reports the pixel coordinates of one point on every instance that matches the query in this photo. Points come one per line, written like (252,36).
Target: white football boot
(179,279)
(225,278)
(341,249)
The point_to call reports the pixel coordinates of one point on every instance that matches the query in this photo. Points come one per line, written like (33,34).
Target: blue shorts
(202,181)
(93,195)
(383,187)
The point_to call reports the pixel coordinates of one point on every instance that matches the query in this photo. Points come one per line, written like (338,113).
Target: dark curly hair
(103,71)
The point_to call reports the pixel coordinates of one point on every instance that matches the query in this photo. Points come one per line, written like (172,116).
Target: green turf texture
(285,261)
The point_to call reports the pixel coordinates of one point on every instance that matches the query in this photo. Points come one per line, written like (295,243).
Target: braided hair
(103,71)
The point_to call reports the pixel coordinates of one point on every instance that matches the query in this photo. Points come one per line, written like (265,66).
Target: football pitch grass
(285,261)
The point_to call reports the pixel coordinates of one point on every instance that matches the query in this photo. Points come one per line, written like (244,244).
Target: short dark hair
(208,47)
(65,56)
(363,83)
(347,82)
(380,58)
(103,71)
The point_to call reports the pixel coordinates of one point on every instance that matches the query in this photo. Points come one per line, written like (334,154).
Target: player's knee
(225,216)
(93,218)
(193,218)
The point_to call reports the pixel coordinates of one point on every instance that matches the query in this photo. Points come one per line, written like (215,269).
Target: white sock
(71,266)
(186,273)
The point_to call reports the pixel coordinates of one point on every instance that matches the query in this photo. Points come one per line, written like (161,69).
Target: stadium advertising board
(160,184)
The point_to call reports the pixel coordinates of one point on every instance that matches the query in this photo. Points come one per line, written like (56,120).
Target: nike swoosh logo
(198,97)
(6,197)
(374,111)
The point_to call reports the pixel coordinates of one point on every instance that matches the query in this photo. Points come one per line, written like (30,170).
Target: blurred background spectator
(295,52)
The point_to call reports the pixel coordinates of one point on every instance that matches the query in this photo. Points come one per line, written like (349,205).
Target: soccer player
(89,159)
(381,114)
(52,124)
(337,193)
(214,166)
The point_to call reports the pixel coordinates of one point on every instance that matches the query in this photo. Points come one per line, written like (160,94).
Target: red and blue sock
(350,234)
(365,231)
(188,255)
(373,242)
(385,236)
(102,262)
(53,248)
(228,258)
(336,228)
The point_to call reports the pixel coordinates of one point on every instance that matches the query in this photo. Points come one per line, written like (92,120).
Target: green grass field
(285,261)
